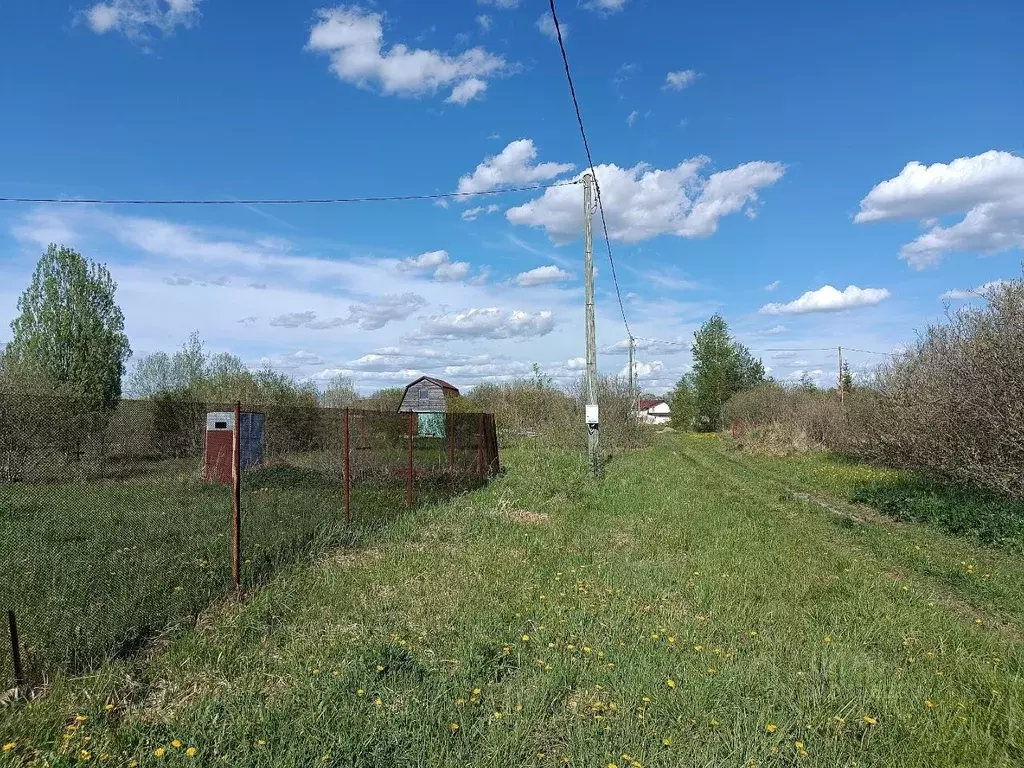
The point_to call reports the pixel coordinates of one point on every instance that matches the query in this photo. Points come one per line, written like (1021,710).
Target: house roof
(645,404)
(433,380)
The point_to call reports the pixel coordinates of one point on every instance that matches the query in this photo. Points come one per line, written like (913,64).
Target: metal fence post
(347,470)
(19,673)
(409,490)
(236,498)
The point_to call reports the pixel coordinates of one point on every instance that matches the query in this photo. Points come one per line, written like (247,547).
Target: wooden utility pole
(634,404)
(840,375)
(592,413)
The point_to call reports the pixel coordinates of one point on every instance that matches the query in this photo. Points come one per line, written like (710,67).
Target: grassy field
(698,607)
(95,569)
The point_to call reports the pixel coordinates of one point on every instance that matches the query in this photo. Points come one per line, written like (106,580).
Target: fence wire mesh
(114,527)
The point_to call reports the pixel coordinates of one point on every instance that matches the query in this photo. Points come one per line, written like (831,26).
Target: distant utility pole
(588,275)
(632,379)
(840,375)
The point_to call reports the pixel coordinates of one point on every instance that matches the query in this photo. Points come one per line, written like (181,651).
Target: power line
(590,162)
(286,201)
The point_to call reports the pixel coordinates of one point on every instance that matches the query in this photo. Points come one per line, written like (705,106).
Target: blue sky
(739,146)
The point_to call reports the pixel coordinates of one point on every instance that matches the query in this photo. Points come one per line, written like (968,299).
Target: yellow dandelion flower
(9,746)
(159,752)
(260,743)
(612,765)
(670,683)
(771,728)
(978,621)
(476,691)
(191,751)
(498,715)
(698,648)
(667,742)
(378,702)
(176,743)
(80,718)
(929,704)
(870,720)
(108,707)
(454,727)
(828,638)
(586,649)
(380,668)
(360,692)
(798,744)
(84,755)
(526,638)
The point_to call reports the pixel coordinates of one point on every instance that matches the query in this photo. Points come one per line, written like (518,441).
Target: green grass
(688,564)
(96,569)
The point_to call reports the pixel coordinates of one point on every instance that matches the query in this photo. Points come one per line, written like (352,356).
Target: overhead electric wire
(284,201)
(590,162)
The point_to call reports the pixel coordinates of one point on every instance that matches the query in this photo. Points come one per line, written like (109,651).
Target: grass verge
(685,611)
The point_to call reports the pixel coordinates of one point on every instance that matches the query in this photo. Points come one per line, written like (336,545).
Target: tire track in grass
(994,615)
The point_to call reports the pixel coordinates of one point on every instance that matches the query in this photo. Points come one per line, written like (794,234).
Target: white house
(654,412)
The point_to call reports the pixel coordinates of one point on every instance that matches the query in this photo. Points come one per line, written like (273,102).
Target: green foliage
(846,379)
(683,403)
(71,331)
(339,393)
(990,518)
(385,400)
(721,368)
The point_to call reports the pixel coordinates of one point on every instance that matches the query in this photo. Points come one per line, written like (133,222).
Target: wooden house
(428,397)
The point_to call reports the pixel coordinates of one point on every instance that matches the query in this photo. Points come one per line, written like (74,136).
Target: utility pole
(588,275)
(840,375)
(632,380)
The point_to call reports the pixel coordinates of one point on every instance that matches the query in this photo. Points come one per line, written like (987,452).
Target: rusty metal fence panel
(109,533)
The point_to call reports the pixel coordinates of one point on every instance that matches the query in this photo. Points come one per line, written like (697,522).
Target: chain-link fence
(114,526)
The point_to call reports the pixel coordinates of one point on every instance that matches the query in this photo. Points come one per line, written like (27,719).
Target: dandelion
(9,746)
(526,638)
(191,752)
(698,648)
(378,702)
(978,621)
(498,715)
(159,752)
(476,691)
(828,638)
(380,668)
(108,707)
(798,744)
(870,720)
(454,727)
(176,744)
(80,718)
(666,742)
(929,704)
(771,728)
(84,755)
(260,743)
(670,683)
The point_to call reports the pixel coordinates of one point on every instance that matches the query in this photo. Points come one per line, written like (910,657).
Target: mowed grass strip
(681,612)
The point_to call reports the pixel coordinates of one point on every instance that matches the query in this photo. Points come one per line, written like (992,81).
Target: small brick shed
(220,428)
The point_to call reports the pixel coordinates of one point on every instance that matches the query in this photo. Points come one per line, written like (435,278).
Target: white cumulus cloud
(643,202)
(773,285)
(135,18)
(513,165)
(683,78)
(546,25)
(352,38)
(988,189)
(542,276)
(828,299)
(980,292)
(488,323)
(439,263)
(605,6)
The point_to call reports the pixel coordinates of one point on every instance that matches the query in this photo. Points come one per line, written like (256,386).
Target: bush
(951,405)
